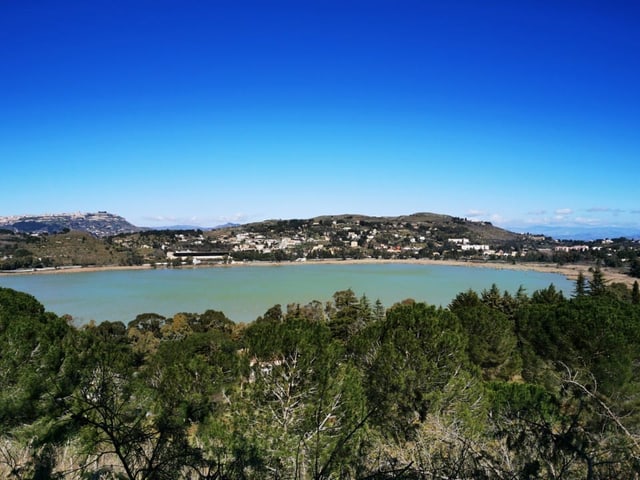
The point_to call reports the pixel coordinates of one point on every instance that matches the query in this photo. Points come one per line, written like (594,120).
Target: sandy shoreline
(569,271)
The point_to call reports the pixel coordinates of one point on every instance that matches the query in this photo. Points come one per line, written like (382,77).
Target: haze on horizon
(201,113)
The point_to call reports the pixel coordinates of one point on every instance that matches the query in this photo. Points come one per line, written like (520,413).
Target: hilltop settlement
(103,239)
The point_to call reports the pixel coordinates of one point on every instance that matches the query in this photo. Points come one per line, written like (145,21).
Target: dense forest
(495,386)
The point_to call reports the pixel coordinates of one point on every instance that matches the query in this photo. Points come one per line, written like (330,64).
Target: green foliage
(32,359)
(186,374)
(301,413)
(491,340)
(465,299)
(269,340)
(148,323)
(581,285)
(414,352)
(522,400)
(597,284)
(599,334)
(548,296)
(349,315)
(274,314)
(634,267)
(494,386)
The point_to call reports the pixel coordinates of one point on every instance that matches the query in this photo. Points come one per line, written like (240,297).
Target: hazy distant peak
(100,224)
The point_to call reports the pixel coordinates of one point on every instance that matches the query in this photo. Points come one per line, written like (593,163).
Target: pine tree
(597,284)
(581,285)
(634,268)
(378,311)
(635,294)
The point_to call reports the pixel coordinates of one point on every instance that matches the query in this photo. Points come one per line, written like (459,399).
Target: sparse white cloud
(497,218)
(160,218)
(568,218)
(587,221)
(476,213)
(535,220)
(563,211)
(482,215)
(235,218)
(209,221)
(613,211)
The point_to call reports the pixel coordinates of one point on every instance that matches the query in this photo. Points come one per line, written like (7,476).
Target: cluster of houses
(299,240)
(248,241)
(329,242)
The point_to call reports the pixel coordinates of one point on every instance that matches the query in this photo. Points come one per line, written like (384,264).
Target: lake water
(244,293)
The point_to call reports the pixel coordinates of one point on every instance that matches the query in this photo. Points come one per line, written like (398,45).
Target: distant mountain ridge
(105,224)
(195,227)
(102,238)
(583,233)
(100,224)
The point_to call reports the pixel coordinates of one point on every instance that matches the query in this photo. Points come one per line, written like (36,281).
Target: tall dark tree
(378,311)
(597,284)
(581,285)
(347,315)
(465,299)
(492,297)
(548,296)
(634,267)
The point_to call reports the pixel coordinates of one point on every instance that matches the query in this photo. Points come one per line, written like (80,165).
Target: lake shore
(570,271)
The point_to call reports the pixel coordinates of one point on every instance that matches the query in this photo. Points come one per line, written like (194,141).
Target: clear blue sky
(203,112)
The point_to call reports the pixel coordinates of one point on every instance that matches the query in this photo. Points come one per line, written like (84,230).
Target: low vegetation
(495,386)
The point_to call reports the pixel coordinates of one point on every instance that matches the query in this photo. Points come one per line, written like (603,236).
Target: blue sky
(166,112)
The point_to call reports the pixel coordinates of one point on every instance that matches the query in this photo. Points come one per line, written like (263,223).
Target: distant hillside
(20,250)
(105,239)
(104,224)
(101,224)
(194,227)
(439,226)
(586,233)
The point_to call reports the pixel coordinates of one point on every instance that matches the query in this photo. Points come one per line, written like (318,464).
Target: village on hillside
(340,237)
(353,237)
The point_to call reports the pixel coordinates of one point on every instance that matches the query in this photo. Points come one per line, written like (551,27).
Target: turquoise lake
(245,292)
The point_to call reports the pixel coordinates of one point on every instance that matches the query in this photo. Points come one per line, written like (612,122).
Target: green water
(244,293)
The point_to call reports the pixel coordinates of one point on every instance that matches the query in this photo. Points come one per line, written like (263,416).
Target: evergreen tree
(35,377)
(492,297)
(634,268)
(347,392)
(581,285)
(413,355)
(492,340)
(597,285)
(465,299)
(346,319)
(378,311)
(548,296)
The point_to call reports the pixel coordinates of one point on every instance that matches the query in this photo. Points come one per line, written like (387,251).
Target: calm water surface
(244,293)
